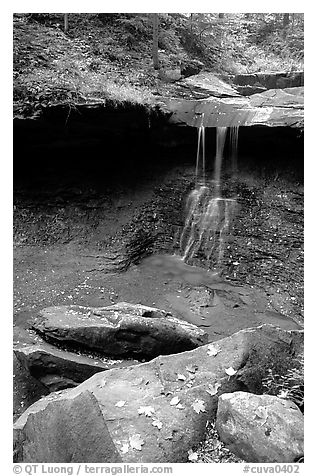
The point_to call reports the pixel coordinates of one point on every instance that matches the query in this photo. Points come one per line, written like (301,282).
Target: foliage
(290,385)
(109,55)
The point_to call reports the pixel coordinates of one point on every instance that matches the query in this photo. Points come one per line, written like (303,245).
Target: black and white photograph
(158,239)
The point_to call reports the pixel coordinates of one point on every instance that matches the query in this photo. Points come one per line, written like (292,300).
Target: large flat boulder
(57,369)
(157,411)
(261,428)
(120,330)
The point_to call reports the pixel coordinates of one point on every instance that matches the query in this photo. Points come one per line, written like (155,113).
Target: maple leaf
(125,448)
(213,389)
(120,403)
(199,406)
(147,411)
(191,368)
(192,456)
(230,371)
(157,423)
(174,401)
(181,377)
(136,442)
(212,350)
(261,412)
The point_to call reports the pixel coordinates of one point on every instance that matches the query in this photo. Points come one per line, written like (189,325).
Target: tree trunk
(286,19)
(66,22)
(155,40)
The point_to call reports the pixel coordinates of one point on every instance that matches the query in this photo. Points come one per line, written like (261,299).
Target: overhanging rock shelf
(274,108)
(200,100)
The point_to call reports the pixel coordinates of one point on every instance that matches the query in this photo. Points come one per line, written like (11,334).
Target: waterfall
(234,133)
(208,215)
(201,146)
(220,144)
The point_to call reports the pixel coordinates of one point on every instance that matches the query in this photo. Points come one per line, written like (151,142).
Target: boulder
(206,84)
(57,369)
(157,411)
(119,330)
(70,430)
(261,428)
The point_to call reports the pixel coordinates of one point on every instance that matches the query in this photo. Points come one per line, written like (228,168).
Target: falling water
(208,216)
(234,133)
(220,144)
(201,146)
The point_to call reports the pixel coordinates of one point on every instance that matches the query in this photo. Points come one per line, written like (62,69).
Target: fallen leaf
(283,394)
(147,411)
(199,406)
(191,368)
(261,412)
(192,456)
(174,401)
(213,389)
(157,423)
(230,371)
(136,442)
(125,448)
(180,406)
(212,350)
(120,404)
(181,377)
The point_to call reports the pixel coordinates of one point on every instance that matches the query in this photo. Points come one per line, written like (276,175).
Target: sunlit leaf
(157,423)
(180,406)
(147,411)
(213,389)
(181,377)
(261,412)
(136,442)
(174,401)
(283,394)
(212,350)
(199,406)
(120,404)
(191,368)
(192,456)
(125,448)
(230,371)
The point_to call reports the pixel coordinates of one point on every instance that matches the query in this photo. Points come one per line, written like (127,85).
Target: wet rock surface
(123,329)
(261,428)
(157,411)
